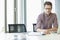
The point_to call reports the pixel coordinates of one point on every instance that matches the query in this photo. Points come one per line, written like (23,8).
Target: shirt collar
(46,14)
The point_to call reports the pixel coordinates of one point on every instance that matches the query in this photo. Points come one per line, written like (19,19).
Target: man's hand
(53,29)
(45,31)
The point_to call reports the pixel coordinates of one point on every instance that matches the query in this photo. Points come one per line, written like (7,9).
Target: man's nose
(47,10)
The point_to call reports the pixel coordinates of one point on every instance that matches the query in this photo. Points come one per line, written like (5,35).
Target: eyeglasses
(48,8)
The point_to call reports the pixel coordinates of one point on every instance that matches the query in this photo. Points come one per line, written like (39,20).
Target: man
(47,21)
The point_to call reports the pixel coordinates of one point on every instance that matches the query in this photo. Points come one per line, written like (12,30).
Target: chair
(17,28)
(34,25)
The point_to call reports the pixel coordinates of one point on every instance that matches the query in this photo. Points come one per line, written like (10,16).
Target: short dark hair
(48,3)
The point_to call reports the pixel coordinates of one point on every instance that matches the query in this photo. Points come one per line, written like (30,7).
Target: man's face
(47,9)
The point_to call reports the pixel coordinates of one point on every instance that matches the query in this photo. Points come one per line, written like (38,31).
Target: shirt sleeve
(38,25)
(55,22)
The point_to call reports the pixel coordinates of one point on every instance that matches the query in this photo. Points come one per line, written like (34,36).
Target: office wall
(57,7)
(9,12)
(21,11)
(2,16)
(33,9)
(2,19)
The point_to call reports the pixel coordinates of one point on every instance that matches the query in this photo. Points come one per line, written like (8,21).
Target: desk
(15,36)
(12,36)
(37,36)
(29,36)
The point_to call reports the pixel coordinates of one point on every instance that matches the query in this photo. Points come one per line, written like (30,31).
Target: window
(9,13)
(15,12)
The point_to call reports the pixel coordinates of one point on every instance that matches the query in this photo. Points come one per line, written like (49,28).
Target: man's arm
(38,25)
(45,31)
(55,25)
(52,29)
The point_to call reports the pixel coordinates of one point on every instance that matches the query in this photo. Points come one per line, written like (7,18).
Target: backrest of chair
(17,28)
(34,25)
